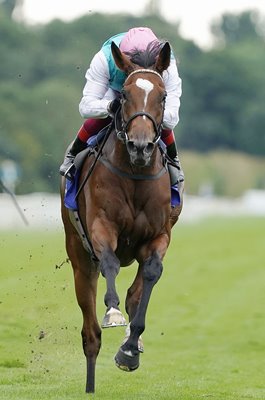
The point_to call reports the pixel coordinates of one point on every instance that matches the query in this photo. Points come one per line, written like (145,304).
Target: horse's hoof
(126,361)
(113,318)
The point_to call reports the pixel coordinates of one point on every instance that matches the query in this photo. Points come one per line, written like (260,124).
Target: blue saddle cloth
(175,196)
(71,187)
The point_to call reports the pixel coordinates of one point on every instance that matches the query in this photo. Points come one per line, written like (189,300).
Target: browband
(144,71)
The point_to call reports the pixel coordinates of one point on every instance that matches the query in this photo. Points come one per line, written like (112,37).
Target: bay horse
(125,210)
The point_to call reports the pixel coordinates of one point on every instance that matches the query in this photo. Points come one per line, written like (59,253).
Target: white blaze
(147,86)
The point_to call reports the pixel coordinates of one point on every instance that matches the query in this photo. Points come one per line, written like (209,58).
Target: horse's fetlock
(137,330)
(132,350)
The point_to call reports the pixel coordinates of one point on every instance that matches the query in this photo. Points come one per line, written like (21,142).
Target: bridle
(123,136)
(122,133)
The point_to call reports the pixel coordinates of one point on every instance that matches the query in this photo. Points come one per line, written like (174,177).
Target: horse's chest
(143,215)
(144,225)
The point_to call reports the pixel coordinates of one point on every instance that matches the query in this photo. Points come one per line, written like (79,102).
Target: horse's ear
(163,59)
(121,60)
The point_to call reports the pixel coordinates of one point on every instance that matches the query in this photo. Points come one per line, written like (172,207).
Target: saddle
(71,187)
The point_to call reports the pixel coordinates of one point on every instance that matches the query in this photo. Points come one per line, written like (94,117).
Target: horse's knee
(152,268)
(109,264)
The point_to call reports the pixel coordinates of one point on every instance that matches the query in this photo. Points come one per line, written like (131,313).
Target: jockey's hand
(113,106)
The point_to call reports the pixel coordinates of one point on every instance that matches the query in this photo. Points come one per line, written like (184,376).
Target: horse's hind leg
(132,301)
(86,277)
(86,287)
(127,357)
(134,294)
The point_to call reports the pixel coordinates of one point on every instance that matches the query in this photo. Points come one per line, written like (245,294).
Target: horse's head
(142,103)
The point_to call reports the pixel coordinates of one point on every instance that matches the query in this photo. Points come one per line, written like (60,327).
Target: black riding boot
(175,171)
(67,168)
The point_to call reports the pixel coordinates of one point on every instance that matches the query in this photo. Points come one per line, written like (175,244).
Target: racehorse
(125,210)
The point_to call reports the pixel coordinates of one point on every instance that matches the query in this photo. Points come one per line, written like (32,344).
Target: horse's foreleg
(104,240)
(86,287)
(109,267)
(127,357)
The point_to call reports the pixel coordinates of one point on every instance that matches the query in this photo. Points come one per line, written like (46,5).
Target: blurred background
(46,48)
(206,321)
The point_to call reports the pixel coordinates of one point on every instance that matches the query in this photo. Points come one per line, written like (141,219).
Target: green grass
(205,325)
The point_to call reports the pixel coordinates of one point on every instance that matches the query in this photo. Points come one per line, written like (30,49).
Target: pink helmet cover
(137,38)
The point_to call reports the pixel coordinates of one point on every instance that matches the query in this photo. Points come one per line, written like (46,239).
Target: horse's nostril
(149,148)
(131,146)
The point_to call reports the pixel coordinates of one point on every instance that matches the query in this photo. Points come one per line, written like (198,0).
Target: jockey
(104,82)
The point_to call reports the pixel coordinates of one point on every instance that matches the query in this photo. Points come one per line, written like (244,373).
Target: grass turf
(205,324)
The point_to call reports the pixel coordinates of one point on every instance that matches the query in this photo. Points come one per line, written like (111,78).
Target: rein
(139,114)
(122,135)
(96,159)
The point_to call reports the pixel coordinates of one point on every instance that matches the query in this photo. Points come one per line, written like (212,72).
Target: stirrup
(174,174)
(70,173)
(67,168)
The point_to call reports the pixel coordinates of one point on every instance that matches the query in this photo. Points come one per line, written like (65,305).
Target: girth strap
(77,223)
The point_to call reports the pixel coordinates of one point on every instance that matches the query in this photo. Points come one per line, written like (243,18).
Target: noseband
(122,133)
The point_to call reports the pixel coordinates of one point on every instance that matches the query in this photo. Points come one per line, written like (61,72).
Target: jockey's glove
(113,106)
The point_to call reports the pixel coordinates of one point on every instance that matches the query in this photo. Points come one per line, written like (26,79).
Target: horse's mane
(146,58)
